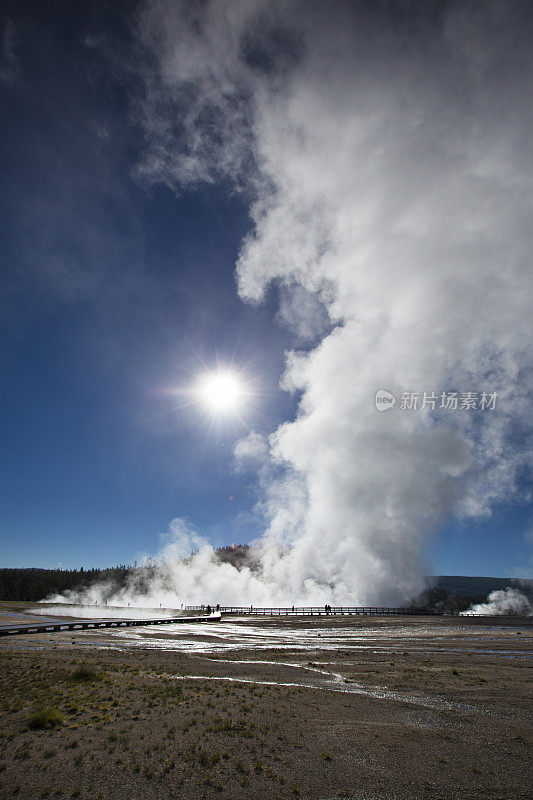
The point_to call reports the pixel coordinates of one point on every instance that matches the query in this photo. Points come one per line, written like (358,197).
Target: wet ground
(329,707)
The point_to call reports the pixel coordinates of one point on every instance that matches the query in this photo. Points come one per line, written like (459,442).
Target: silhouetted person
(218,606)
(208,609)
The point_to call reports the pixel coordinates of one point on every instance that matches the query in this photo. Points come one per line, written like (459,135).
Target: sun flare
(221,391)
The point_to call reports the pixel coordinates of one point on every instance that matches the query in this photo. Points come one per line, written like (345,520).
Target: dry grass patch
(44,718)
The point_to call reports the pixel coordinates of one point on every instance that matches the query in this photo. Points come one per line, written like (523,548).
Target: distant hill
(477,586)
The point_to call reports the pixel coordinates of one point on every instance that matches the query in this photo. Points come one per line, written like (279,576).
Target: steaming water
(226,637)
(30,617)
(103,611)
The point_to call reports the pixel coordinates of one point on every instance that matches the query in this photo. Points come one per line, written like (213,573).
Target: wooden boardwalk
(92,624)
(319,611)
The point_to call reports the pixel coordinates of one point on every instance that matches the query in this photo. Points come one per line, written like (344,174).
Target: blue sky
(115,293)
(119,289)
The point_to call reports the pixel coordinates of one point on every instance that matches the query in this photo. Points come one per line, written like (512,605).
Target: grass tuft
(44,718)
(86,675)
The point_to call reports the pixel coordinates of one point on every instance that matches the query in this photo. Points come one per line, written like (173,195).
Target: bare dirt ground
(388,708)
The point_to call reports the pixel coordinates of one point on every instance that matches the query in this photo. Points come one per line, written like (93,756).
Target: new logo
(384,400)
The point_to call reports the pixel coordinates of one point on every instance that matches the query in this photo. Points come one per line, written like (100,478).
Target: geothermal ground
(307,707)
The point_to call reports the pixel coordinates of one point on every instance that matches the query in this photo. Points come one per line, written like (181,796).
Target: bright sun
(221,391)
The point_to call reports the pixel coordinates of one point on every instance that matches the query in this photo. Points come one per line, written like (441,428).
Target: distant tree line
(36,584)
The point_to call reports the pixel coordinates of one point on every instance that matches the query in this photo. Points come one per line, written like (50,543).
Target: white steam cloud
(504,602)
(386,152)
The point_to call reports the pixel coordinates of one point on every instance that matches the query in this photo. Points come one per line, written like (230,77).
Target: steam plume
(505,602)
(386,154)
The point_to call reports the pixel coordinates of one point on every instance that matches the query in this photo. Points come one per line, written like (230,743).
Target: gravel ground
(317,708)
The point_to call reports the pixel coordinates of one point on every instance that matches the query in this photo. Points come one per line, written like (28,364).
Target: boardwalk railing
(315,610)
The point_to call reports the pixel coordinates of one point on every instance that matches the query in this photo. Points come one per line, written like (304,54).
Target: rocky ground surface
(317,708)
